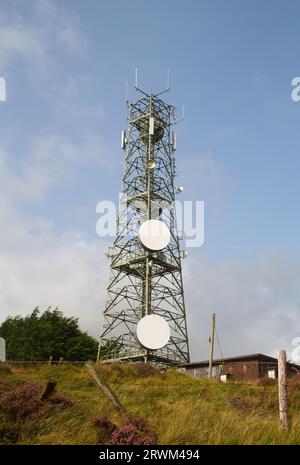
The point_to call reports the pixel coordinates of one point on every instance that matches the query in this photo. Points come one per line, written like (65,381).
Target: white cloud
(257,305)
(18,41)
(37,54)
(38,39)
(37,265)
(74,97)
(53,160)
(65,271)
(62,24)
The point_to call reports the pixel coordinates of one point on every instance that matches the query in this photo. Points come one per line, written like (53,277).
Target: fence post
(108,393)
(49,389)
(50,360)
(282,389)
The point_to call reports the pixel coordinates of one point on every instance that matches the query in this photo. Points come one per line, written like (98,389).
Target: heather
(163,407)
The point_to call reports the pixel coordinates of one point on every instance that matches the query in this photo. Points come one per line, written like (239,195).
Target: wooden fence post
(50,360)
(49,389)
(108,393)
(282,389)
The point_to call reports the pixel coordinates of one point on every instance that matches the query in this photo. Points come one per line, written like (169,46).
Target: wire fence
(134,389)
(234,372)
(45,362)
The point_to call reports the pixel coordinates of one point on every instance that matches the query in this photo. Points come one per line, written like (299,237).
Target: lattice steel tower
(145,263)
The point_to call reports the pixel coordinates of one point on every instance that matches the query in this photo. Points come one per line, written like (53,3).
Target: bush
(5,369)
(21,402)
(104,428)
(144,369)
(3,386)
(264,382)
(135,432)
(294,382)
(25,400)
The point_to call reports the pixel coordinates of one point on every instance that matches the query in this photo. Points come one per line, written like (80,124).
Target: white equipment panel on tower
(154,234)
(153,332)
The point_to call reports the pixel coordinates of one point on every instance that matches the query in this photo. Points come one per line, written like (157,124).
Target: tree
(37,336)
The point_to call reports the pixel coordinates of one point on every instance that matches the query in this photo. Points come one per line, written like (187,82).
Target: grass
(182,410)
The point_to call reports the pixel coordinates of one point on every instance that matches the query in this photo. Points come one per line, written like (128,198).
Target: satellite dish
(150,164)
(154,234)
(153,332)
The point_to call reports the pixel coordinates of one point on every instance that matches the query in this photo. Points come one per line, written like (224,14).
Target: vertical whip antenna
(168,80)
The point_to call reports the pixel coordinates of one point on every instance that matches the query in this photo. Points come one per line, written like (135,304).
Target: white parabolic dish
(153,332)
(154,234)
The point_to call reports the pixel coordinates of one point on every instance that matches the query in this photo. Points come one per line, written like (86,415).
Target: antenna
(141,321)
(174,140)
(136,83)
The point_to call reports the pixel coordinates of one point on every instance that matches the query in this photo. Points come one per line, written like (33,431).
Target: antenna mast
(144,315)
(212,343)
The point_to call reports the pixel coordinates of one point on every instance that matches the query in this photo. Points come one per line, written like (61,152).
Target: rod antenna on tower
(168,80)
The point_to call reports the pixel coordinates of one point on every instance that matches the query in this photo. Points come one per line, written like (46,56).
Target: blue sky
(65,63)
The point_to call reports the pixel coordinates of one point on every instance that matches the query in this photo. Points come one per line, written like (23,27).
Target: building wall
(201,372)
(245,370)
(242,370)
(238,371)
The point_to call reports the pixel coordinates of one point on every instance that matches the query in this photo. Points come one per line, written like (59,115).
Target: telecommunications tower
(144,317)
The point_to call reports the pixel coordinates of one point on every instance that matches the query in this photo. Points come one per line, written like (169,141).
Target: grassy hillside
(180,409)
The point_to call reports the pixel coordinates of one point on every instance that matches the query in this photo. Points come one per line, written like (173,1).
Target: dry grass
(181,410)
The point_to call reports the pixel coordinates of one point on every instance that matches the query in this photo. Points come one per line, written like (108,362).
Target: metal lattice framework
(142,281)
